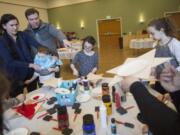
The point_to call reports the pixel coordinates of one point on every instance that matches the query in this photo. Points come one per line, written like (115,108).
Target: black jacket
(161,119)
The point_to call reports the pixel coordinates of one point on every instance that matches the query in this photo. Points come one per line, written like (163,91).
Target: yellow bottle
(107,102)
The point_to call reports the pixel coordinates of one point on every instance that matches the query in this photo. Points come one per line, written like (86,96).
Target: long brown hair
(4,90)
(163,23)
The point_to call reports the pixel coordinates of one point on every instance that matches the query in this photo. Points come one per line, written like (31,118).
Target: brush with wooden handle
(25,91)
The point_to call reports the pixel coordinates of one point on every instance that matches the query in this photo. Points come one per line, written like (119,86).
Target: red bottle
(62,116)
(117,100)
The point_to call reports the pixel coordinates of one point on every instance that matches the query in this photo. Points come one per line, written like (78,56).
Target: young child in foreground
(48,65)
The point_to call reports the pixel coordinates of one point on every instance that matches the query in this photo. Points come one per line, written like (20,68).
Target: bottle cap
(88,124)
(61,109)
(105,85)
(113,120)
(106,98)
(88,119)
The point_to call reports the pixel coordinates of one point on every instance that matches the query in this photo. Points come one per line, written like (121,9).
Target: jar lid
(88,119)
(113,120)
(105,85)
(106,98)
(61,109)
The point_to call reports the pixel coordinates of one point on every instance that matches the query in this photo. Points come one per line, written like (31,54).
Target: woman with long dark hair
(4,89)
(162,31)
(16,54)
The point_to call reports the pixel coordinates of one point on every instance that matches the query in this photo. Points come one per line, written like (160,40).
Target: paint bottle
(117,100)
(113,93)
(86,84)
(103,116)
(105,89)
(88,125)
(113,127)
(107,102)
(62,117)
(123,97)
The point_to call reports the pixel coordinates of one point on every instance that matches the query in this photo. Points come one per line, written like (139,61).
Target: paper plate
(83,98)
(62,91)
(96,91)
(132,67)
(19,131)
(37,96)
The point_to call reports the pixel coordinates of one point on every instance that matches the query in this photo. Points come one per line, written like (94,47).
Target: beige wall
(18,8)
(33,3)
(59,3)
(70,17)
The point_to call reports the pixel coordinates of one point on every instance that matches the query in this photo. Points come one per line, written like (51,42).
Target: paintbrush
(97,111)
(76,112)
(126,124)
(24,94)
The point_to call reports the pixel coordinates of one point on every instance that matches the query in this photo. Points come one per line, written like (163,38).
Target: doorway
(109,32)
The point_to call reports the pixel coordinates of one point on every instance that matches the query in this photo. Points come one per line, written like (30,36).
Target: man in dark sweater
(161,119)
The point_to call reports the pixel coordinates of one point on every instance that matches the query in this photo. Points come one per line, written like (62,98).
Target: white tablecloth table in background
(69,53)
(141,43)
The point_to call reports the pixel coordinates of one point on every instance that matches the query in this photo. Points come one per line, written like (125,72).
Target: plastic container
(107,102)
(88,125)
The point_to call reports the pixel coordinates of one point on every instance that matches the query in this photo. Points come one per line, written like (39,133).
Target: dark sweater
(161,119)
(17,56)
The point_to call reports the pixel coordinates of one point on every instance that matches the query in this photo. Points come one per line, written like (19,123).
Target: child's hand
(52,70)
(21,98)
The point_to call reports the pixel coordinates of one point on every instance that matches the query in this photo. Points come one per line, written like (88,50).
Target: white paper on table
(53,82)
(149,56)
(145,73)
(139,67)
(130,67)
(133,67)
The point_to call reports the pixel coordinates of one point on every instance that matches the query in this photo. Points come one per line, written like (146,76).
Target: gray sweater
(46,35)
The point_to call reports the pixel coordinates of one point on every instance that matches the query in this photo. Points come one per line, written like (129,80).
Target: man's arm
(58,34)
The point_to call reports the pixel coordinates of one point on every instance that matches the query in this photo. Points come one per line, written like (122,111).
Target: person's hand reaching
(127,82)
(66,43)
